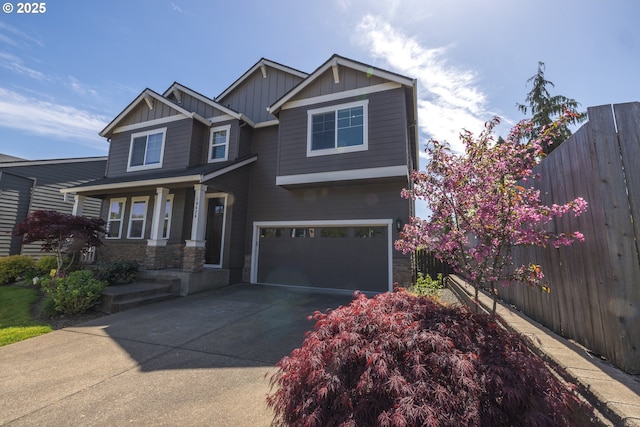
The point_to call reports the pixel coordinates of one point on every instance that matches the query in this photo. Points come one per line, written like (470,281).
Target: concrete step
(123,297)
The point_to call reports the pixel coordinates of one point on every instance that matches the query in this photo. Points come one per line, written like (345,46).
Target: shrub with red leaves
(402,360)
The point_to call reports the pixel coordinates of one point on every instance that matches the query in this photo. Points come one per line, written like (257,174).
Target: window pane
(350,137)
(114,228)
(154,149)
(369,232)
(137,151)
(334,232)
(116,210)
(138,210)
(218,152)
(136,229)
(219,137)
(350,127)
(323,131)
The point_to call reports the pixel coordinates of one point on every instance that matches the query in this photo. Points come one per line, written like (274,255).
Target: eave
(334,62)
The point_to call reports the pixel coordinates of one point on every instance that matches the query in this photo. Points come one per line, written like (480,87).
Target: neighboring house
(31,185)
(285,178)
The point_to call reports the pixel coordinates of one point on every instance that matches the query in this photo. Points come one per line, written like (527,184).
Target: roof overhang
(149,97)
(334,62)
(261,65)
(172,180)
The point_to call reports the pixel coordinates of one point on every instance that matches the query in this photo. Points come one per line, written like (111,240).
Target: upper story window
(219,144)
(146,150)
(115,218)
(138,217)
(337,129)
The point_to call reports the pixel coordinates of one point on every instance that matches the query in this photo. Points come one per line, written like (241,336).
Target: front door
(216,209)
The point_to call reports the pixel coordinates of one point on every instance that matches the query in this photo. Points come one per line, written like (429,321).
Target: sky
(66,72)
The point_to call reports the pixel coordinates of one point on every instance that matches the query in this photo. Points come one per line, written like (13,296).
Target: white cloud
(34,116)
(80,88)
(13,63)
(448,100)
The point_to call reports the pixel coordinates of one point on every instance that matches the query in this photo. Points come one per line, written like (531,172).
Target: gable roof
(181,88)
(335,61)
(23,162)
(8,158)
(261,64)
(149,96)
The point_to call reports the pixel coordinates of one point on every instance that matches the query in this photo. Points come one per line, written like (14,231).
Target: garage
(327,254)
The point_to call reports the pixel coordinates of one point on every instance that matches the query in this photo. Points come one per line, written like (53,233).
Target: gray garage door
(354,257)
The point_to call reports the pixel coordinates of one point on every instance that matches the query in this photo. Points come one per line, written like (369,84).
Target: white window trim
(144,199)
(257,225)
(124,205)
(163,131)
(226,128)
(168,214)
(339,150)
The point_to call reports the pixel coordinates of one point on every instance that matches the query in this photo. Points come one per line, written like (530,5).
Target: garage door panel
(343,262)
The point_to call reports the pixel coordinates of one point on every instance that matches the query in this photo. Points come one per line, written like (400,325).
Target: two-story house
(285,178)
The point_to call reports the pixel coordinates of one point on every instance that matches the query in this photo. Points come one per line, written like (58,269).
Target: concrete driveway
(201,360)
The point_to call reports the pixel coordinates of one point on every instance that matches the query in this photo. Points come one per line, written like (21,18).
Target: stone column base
(193,256)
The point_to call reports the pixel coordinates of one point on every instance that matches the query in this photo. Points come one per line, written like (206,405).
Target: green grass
(16,323)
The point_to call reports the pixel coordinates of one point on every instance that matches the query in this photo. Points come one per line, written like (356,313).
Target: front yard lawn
(16,323)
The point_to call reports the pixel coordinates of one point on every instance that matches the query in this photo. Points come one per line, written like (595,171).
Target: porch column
(199,222)
(193,258)
(155,253)
(157,221)
(78,204)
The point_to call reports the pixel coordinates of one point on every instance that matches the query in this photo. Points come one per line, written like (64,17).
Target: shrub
(402,360)
(117,272)
(13,267)
(426,286)
(47,263)
(75,293)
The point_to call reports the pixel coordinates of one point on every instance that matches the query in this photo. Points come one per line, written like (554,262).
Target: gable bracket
(263,68)
(149,100)
(177,95)
(336,75)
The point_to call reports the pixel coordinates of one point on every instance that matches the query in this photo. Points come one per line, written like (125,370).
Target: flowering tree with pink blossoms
(483,203)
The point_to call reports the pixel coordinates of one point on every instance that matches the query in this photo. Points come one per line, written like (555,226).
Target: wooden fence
(595,285)
(427,264)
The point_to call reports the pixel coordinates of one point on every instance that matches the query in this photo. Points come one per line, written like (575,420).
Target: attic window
(337,129)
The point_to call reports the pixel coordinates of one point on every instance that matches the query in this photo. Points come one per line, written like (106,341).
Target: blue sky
(66,73)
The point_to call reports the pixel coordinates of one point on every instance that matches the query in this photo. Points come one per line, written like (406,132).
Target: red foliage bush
(401,360)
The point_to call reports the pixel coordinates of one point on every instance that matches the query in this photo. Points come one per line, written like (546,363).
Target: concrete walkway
(200,360)
(614,393)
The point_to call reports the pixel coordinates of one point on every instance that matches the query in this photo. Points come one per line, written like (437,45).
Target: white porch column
(199,222)
(78,204)
(157,220)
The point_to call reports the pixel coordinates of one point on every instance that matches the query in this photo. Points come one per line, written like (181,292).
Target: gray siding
(48,180)
(256,93)
(176,147)
(349,79)
(267,202)
(15,194)
(142,113)
(197,106)
(387,138)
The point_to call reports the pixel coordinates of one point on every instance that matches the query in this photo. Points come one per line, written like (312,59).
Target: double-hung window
(138,217)
(146,150)
(219,144)
(115,218)
(337,129)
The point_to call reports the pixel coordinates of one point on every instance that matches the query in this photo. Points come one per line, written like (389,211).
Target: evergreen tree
(545,108)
